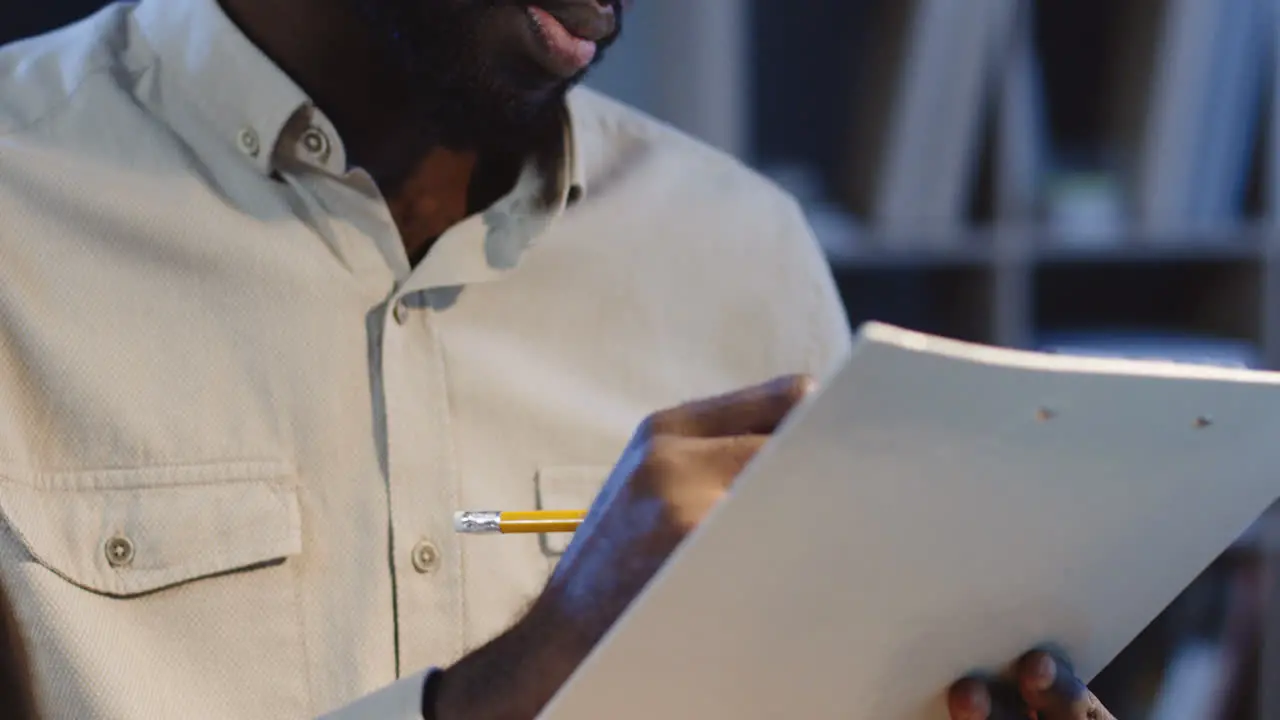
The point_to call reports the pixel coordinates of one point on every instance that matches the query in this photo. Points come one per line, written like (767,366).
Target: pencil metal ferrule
(478,522)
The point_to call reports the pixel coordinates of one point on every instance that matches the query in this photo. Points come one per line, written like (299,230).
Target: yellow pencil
(485,522)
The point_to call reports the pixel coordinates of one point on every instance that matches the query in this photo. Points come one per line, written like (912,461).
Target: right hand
(678,465)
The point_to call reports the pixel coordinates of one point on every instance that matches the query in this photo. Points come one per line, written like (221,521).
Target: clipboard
(940,507)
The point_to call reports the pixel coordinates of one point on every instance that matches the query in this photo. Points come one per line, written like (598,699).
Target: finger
(1051,690)
(685,463)
(1087,707)
(725,458)
(754,410)
(969,700)
(692,475)
(975,698)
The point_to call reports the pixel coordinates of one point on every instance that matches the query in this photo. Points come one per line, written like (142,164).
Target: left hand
(1043,687)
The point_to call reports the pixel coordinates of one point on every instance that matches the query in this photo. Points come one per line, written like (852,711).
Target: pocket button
(119,550)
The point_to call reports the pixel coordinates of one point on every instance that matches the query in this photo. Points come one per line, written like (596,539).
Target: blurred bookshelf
(1092,176)
(1039,179)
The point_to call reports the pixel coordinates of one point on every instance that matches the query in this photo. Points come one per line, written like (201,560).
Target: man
(285,283)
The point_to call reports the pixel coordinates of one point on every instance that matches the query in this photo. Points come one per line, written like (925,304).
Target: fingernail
(1043,673)
(970,701)
(807,384)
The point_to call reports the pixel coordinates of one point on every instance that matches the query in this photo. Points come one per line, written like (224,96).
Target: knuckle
(649,427)
(663,422)
(663,457)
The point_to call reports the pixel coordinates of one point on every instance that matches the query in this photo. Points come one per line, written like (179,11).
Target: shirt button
(249,142)
(400,312)
(425,557)
(315,142)
(119,550)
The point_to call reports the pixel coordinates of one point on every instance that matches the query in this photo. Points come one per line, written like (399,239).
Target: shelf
(1203,297)
(938,257)
(974,248)
(1226,246)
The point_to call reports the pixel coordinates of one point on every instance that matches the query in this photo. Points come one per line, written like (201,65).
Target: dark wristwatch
(430,689)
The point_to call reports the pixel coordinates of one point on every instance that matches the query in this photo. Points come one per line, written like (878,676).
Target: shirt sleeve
(830,333)
(401,700)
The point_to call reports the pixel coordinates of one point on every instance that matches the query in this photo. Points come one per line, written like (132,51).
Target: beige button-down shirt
(235,422)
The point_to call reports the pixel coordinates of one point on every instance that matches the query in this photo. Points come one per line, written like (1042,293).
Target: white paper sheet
(941,507)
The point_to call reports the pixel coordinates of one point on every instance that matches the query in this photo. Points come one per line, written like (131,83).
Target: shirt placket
(413,397)
(422,488)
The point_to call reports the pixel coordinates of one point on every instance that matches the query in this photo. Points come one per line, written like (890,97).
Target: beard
(469,82)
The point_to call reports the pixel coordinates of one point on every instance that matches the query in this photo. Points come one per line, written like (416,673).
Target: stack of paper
(941,507)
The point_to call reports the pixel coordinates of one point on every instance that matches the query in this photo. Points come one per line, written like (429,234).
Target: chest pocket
(183,570)
(567,488)
(129,532)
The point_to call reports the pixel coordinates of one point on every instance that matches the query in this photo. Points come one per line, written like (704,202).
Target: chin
(488,71)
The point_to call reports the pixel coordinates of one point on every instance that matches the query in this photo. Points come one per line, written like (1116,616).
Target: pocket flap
(129,532)
(568,488)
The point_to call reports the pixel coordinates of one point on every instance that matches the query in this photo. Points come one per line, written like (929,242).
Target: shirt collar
(235,88)
(574,182)
(255,107)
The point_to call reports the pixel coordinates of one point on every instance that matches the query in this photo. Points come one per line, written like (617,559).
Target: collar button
(316,143)
(400,312)
(249,142)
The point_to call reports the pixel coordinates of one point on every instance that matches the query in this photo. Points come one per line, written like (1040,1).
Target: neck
(323,47)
